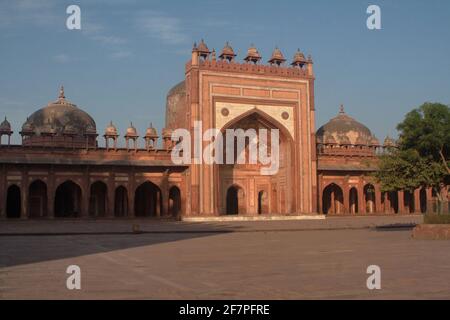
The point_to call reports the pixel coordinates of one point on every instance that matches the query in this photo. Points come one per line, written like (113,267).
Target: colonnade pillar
(401,202)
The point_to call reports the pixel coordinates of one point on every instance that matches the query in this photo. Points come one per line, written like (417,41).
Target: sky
(129,53)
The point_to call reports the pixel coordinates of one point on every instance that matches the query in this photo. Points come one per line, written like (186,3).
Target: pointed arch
(13,202)
(332,199)
(174,201)
(121,202)
(37,199)
(270,120)
(353,201)
(148,200)
(98,199)
(370,198)
(68,200)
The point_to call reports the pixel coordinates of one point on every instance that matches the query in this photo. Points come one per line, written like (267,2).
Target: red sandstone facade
(60,171)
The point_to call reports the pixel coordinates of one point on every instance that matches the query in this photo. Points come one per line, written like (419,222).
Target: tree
(427,130)
(422,156)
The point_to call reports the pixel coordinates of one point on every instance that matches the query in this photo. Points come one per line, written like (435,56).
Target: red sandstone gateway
(59,170)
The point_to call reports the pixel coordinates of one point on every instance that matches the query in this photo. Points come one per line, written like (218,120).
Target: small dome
(277,57)
(27,128)
(299,59)
(345,130)
(389,142)
(151,132)
(202,49)
(131,131)
(111,130)
(252,55)
(167,133)
(5,127)
(374,142)
(227,52)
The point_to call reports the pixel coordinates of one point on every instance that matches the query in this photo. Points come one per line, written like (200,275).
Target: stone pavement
(63,227)
(320,264)
(230,260)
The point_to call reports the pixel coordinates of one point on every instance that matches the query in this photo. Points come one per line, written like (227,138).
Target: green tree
(422,156)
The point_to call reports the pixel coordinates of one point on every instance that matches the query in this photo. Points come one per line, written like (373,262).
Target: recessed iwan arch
(282,115)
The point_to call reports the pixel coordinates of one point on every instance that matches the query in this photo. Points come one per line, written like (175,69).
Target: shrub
(436,219)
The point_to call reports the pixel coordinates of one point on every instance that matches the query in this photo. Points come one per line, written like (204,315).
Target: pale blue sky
(130,53)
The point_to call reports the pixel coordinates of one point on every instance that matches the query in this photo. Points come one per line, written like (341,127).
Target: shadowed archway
(98,199)
(68,200)
(392,203)
(235,200)
(263,205)
(332,200)
(121,202)
(148,200)
(370,198)
(174,201)
(408,198)
(37,199)
(353,200)
(423,200)
(13,202)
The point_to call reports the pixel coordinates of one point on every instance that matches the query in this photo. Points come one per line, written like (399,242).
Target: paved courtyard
(280,262)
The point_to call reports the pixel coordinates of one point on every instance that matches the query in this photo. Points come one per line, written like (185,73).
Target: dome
(111,130)
(131,131)
(176,106)
(55,119)
(5,127)
(345,130)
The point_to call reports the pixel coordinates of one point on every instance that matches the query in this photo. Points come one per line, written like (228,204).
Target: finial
(61,93)
(341,109)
